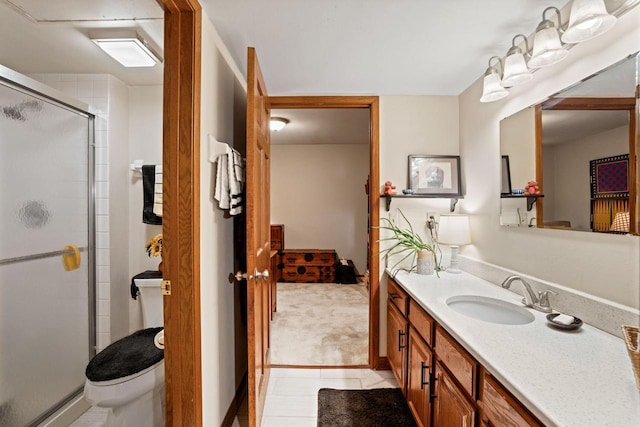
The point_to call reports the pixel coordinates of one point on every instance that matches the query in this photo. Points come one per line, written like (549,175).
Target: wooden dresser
(309,265)
(277,244)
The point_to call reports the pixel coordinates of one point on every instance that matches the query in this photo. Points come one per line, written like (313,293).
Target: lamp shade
(547,48)
(454,229)
(588,19)
(491,89)
(515,68)
(277,123)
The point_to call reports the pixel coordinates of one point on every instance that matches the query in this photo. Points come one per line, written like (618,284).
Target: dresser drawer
(317,257)
(308,274)
(398,296)
(498,407)
(422,322)
(461,364)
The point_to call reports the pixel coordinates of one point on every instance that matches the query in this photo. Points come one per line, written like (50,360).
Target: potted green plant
(406,243)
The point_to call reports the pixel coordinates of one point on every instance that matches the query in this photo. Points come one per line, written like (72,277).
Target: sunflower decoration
(154,246)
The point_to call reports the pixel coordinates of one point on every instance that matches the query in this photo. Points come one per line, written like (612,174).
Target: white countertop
(566,378)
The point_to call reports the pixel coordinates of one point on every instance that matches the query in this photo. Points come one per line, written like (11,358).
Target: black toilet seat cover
(127,356)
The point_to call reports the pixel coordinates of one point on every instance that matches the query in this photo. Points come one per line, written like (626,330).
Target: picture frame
(505,183)
(610,177)
(435,175)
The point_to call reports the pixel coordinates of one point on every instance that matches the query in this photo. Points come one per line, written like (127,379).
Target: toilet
(128,375)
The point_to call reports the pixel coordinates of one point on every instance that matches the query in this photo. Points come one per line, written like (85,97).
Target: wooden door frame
(371,103)
(181,210)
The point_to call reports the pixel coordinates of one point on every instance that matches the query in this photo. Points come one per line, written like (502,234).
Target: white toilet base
(146,411)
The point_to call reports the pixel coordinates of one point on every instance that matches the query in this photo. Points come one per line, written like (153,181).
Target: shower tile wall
(93,89)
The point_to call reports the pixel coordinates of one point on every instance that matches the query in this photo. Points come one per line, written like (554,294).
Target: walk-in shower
(47,306)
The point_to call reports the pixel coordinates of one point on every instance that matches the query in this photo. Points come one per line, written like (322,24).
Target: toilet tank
(151,300)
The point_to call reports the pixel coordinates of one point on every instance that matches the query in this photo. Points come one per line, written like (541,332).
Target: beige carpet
(320,324)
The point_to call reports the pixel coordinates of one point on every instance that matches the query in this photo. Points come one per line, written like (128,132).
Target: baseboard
(383,364)
(232,412)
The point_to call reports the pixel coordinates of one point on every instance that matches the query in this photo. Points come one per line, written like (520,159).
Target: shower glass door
(46,304)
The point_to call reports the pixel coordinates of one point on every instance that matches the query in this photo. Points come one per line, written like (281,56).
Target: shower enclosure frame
(31,87)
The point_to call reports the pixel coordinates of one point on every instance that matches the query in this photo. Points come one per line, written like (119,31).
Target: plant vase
(425,263)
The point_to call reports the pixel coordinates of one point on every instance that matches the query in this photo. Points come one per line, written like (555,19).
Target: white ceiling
(40,36)
(380,47)
(322,126)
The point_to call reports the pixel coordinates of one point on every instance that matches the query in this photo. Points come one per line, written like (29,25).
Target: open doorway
(320,166)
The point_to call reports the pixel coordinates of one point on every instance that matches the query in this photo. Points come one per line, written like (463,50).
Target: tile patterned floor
(292,395)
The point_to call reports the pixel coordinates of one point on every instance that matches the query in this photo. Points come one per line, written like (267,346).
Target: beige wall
(413,125)
(221,84)
(145,143)
(602,265)
(317,192)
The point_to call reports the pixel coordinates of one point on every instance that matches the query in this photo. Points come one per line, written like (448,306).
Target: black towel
(148,190)
(149,274)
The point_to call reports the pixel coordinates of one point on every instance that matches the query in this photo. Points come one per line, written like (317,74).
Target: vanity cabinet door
(419,379)
(498,408)
(397,340)
(451,407)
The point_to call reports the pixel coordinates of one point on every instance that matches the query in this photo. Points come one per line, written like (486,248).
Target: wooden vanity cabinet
(456,373)
(397,338)
(397,332)
(443,384)
(499,409)
(451,406)
(420,365)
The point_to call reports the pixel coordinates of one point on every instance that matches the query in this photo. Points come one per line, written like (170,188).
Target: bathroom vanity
(515,371)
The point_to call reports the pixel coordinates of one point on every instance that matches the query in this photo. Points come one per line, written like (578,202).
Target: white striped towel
(157,192)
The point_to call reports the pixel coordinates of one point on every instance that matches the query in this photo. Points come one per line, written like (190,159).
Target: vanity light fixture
(492,90)
(127,47)
(515,66)
(547,47)
(588,19)
(277,123)
(454,231)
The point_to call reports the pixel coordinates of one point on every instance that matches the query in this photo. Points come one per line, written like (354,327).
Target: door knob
(241,276)
(264,275)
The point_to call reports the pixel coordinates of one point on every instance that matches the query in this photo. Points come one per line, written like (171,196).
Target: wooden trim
(374,235)
(181,211)
(589,104)
(300,102)
(633,172)
(236,403)
(319,366)
(383,364)
(373,104)
(539,163)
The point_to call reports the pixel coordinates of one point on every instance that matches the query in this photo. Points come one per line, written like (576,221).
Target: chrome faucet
(539,302)
(531,224)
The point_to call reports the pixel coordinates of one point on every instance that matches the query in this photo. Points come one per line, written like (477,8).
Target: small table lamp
(454,231)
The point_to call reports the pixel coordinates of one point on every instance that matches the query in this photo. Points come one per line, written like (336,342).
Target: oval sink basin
(490,310)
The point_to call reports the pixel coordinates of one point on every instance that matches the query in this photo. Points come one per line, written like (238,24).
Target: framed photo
(610,177)
(505,183)
(435,175)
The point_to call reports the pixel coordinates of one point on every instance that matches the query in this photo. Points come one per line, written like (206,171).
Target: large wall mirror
(580,146)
